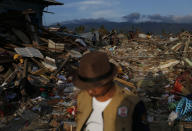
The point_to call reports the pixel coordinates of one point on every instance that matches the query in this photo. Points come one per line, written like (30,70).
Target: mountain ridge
(153,27)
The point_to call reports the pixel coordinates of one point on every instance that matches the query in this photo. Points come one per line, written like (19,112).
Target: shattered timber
(37,65)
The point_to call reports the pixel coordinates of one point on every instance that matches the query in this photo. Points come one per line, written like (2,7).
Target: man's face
(98,91)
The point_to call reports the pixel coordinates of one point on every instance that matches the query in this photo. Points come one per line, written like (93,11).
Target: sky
(179,11)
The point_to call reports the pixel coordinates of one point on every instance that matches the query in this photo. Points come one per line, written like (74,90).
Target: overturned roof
(52,2)
(6,3)
(47,2)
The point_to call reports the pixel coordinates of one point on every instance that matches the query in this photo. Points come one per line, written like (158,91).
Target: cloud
(92,2)
(87,4)
(92,5)
(137,17)
(159,18)
(104,13)
(170,18)
(183,19)
(133,17)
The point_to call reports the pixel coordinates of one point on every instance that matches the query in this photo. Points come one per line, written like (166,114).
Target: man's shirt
(95,121)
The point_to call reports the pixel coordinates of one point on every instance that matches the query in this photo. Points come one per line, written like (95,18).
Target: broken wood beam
(25,71)
(61,67)
(186,46)
(125,82)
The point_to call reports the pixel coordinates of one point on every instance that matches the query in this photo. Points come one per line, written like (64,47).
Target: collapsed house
(22,18)
(15,8)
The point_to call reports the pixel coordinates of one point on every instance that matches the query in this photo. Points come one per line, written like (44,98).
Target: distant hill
(153,27)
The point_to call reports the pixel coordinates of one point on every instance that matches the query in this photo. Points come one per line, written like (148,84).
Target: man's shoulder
(82,93)
(83,96)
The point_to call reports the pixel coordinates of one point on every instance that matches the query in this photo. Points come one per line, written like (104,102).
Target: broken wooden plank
(125,82)
(25,71)
(186,47)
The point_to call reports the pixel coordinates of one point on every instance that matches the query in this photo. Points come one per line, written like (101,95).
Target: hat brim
(84,85)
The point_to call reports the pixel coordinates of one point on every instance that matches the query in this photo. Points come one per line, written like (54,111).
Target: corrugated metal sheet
(53,2)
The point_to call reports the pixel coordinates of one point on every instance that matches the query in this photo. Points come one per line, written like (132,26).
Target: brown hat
(94,70)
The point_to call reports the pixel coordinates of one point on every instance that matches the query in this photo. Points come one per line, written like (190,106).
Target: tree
(58,25)
(132,27)
(121,31)
(80,29)
(102,30)
(63,29)
(163,32)
(77,29)
(92,29)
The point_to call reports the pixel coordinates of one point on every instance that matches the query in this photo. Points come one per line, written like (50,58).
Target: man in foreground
(102,105)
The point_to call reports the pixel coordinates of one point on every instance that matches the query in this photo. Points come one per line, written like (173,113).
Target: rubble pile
(37,68)
(153,65)
(38,87)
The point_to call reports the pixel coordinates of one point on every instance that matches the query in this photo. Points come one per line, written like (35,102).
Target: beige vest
(113,121)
